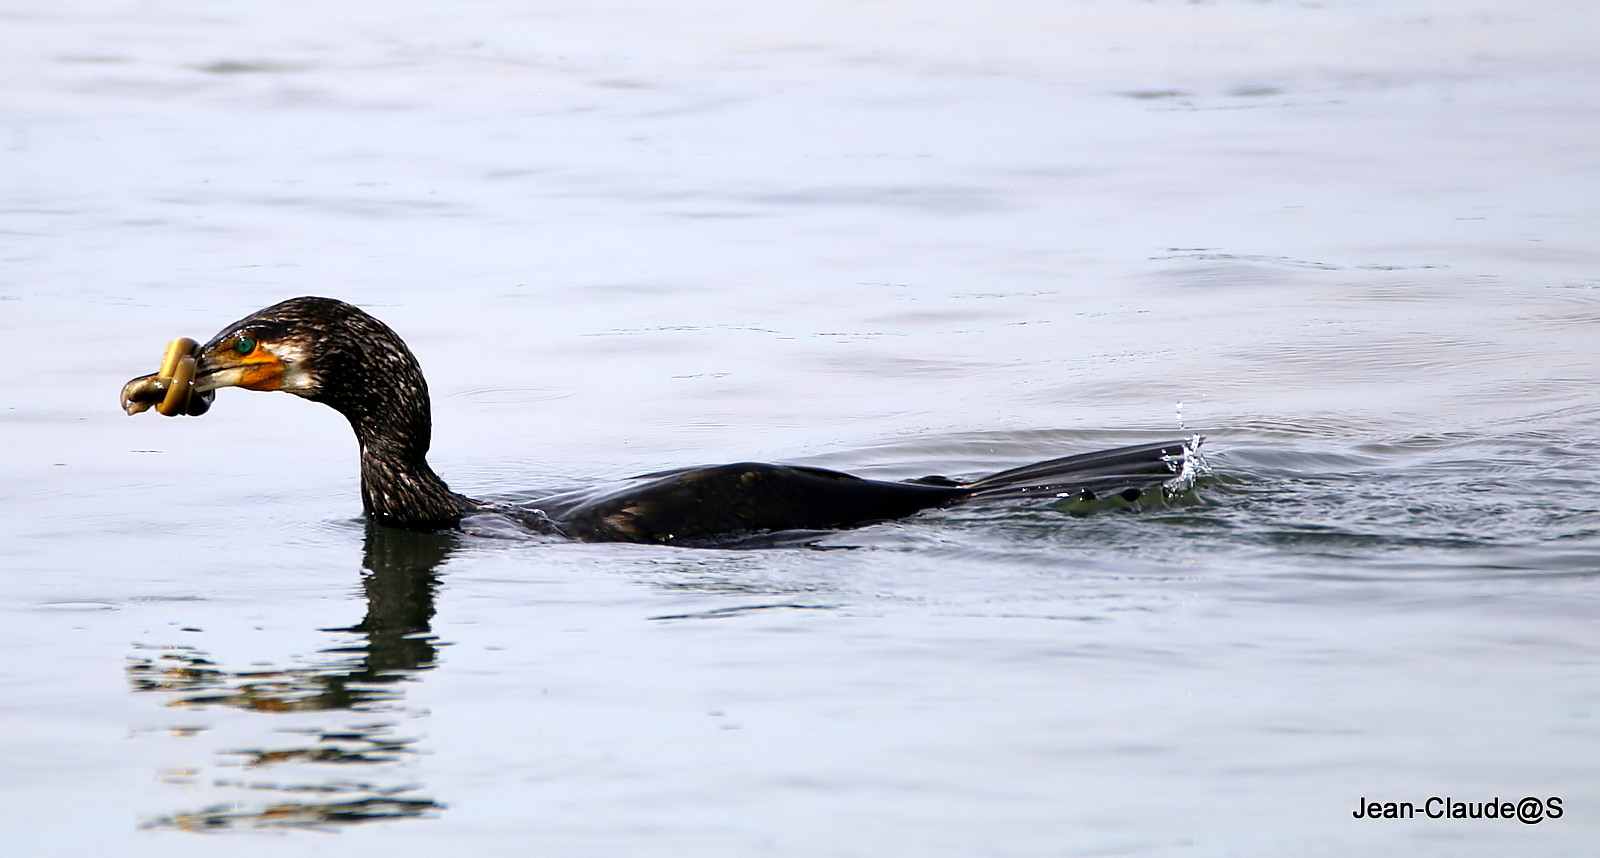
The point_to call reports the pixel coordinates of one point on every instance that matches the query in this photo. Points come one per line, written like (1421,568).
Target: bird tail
(1128,473)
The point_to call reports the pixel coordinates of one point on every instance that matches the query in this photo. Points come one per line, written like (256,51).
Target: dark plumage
(331,352)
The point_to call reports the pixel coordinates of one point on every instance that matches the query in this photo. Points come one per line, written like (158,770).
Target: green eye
(244,345)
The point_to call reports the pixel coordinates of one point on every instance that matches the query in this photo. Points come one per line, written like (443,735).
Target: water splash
(1190,465)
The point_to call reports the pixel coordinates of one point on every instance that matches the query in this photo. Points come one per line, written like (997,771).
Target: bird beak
(218,368)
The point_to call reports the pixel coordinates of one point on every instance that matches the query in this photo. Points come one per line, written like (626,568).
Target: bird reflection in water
(338,762)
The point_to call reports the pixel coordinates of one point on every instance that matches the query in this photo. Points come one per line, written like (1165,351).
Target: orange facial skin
(258,370)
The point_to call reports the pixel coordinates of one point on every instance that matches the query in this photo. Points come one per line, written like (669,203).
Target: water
(1354,241)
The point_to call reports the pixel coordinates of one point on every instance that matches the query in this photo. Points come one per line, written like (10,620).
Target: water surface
(1350,243)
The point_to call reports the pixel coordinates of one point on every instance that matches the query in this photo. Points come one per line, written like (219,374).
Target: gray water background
(1352,243)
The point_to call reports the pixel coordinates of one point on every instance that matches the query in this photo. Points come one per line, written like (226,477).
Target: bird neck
(390,415)
(400,489)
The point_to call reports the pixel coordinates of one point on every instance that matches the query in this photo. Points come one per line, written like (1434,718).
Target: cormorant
(331,352)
